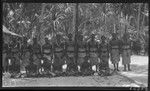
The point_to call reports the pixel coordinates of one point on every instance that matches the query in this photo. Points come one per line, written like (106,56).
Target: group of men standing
(69,57)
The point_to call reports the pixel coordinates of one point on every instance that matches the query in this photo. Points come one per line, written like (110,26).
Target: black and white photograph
(75,44)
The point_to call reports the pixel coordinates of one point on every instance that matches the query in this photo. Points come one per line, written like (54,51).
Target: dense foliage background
(46,19)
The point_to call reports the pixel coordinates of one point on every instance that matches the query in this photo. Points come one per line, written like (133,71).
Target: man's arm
(109,48)
(99,50)
(120,46)
(64,50)
(87,49)
(130,44)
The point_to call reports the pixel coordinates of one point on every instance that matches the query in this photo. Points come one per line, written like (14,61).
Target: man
(115,51)
(47,56)
(104,57)
(136,48)
(5,56)
(93,52)
(15,60)
(25,56)
(126,52)
(82,56)
(36,49)
(59,53)
(31,69)
(70,49)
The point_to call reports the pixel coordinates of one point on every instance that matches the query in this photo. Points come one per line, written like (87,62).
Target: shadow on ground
(140,69)
(139,73)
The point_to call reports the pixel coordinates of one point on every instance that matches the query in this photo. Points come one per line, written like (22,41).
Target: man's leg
(124,67)
(114,67)
(129,67)
(118,67)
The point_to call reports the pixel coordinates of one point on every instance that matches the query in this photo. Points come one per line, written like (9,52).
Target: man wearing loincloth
(58,49)
(70,49)
(36,54)
(82,61)
(5,57)
(104,56)
(93,52)
(126,52)
(115,51)
(47,56)
(14,63)
(25,52)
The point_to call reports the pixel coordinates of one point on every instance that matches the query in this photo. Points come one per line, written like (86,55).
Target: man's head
(14,40)
(58,37)
(25,40)
(126,37)
(34,40)
(103,38)
(114,36)
(70,36)
(46,40)
(93,36)
(80,37)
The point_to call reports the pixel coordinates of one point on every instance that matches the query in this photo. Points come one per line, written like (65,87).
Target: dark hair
(34,39)
(114,34)
(24,39)
(103,37)
(80,37)
(14,39)
(46,38)
(88,22)
(125,36)
(58,35)
(69,35)
(92,35)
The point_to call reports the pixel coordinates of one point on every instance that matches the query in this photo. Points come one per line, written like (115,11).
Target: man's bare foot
(129,70)
(124,70)
(115,69)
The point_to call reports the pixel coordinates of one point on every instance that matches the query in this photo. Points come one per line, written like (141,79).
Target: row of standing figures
(62,58)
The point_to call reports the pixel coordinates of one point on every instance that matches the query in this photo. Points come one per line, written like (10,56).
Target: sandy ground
(135,78)
(139,67)
(97,81)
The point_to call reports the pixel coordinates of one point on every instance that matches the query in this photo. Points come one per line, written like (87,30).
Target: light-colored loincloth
(115,56)
(80,60)
(94,60)
(126,57)
(81,55)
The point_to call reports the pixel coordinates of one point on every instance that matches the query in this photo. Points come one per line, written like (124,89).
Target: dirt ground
(135,78)
(139,67)
(111,81)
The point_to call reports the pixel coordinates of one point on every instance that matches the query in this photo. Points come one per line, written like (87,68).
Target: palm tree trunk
(126,25)
(41,16)
(105,16)
(138,20)
(40,22)
(143,28)
(143,17)
(74,19)
(76,28)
